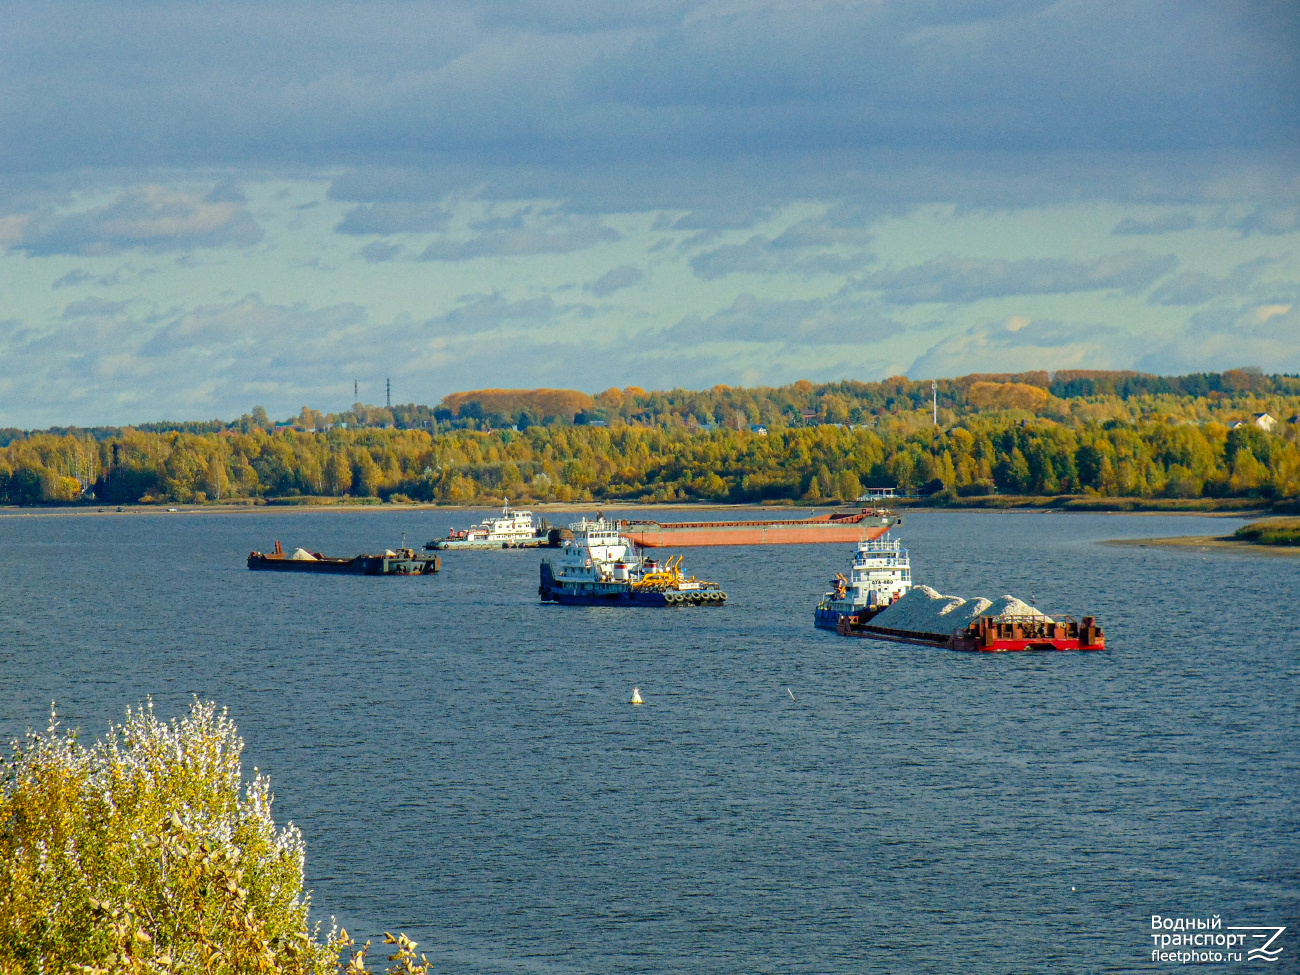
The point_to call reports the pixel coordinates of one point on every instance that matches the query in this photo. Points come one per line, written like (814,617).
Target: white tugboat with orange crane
(599,567)
(881,573)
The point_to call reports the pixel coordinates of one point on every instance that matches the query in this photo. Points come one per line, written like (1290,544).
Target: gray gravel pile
(923,610)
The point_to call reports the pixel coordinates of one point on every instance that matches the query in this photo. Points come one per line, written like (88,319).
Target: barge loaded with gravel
(924,617)
(403,562)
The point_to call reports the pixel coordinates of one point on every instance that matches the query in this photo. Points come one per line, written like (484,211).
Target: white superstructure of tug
(512,526)
(600,566)
(597,553)
(509,530)
(881,573)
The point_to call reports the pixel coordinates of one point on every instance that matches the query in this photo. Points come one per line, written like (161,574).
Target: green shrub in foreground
(142,853)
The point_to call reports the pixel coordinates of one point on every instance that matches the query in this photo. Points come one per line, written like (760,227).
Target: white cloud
(1265,312)
(592,300)
(949,278)
(1165,223)
(561,236)
(615,279)
(1225,337)
(149,218)
(1037,344)
(829,321)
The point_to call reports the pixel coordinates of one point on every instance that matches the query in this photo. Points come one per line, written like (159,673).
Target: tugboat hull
(626,598)
(829,619)
(456,544)
(620,594)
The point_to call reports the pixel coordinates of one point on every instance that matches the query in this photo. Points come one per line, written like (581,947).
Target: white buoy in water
(636,696)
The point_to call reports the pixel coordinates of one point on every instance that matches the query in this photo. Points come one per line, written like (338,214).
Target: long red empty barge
(989,634)
(836,526)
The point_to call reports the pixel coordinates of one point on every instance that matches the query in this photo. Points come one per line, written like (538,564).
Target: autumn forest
(1069,434)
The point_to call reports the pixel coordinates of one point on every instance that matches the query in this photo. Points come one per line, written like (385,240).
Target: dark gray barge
(403,562)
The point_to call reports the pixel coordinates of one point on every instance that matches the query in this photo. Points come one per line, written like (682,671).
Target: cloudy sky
(206,206)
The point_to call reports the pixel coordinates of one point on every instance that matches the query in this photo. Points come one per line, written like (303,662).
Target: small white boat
(512,529)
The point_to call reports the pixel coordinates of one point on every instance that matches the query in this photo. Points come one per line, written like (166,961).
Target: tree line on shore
(1108,434)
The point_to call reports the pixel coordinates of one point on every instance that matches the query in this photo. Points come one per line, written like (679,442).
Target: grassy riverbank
(1274,531)
(1270,536)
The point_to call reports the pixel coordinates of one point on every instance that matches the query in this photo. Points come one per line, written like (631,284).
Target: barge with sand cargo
(402,562)
(928,618)
(877,601)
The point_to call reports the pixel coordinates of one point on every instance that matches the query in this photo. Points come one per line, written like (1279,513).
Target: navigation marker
(636,696)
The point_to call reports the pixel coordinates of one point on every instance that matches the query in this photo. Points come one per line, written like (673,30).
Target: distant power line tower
(355,396)
(388,392)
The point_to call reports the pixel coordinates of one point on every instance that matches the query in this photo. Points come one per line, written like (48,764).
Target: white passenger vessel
(513,529)
(599,567)
(881,573)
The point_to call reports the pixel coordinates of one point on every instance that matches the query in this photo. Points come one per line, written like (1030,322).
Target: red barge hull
(990,635)
(846,527)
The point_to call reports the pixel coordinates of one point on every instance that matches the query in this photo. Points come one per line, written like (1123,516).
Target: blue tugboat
(599,567)
(880,575)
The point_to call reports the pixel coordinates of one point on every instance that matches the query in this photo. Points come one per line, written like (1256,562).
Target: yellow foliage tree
(1007,396)
(566,403)
(148,854)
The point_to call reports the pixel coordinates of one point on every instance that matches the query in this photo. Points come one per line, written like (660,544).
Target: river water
(465,765)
